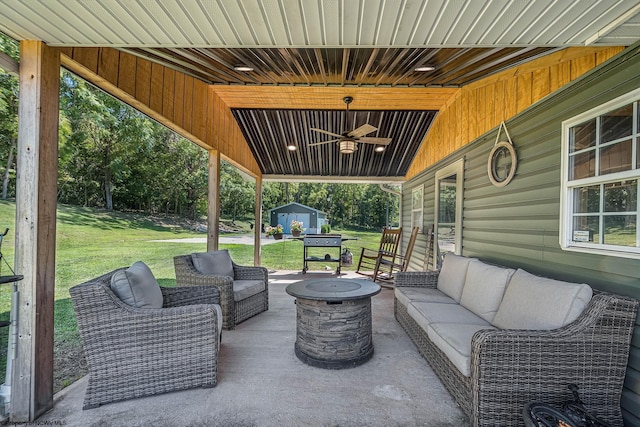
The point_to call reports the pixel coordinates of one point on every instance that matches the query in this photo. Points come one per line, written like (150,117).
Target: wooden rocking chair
(387,250)
(386,268)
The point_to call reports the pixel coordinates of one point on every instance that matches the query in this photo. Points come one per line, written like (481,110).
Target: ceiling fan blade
(323,142)
(377,141)
(326,132)
(362,130)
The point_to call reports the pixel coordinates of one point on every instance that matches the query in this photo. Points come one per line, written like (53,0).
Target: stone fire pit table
(333,321)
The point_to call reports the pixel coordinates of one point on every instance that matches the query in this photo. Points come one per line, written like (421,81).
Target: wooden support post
(213,212)
(32,379)
(257,230)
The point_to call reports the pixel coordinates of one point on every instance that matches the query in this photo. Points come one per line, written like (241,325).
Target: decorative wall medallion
(503,161)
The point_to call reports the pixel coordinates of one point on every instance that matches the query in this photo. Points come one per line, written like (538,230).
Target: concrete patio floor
(262,383)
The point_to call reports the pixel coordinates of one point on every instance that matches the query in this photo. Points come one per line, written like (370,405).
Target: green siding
(518,225)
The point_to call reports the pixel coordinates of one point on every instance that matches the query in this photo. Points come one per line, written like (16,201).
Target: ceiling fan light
(379,148)
(347,146)
(292,147)
(424,68)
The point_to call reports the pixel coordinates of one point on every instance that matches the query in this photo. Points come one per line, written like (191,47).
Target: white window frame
(457,168)
(566,200)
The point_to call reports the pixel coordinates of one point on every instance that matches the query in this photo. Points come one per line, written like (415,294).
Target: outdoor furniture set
(497,338)
(500,338)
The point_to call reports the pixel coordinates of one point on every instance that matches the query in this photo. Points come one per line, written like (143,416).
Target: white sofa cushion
(425,313)
(137,287)
(452,275)
(243,289)
(484,288)
(533,302)
(454,340)
(405,295)
(215,263)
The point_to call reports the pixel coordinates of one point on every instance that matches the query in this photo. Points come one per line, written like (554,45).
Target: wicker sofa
(134,352)
(488,357)
(239,302)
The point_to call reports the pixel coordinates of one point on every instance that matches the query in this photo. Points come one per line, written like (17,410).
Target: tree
(8,112)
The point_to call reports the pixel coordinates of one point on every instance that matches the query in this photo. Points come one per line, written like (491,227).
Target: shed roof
(300,205)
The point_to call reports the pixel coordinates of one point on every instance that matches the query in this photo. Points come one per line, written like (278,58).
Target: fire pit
(333,321)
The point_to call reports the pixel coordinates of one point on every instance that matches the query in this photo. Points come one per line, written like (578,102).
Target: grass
(91,242)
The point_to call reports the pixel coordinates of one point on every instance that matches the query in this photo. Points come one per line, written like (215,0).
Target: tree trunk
(107,190)
(5,182)
(108,196)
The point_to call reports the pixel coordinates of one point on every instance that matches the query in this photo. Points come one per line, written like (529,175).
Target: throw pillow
(216,263)
(533,302)
(137,287)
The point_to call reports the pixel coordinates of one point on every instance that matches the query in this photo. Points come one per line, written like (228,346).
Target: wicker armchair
(233,312)
(134,352)
(510,368)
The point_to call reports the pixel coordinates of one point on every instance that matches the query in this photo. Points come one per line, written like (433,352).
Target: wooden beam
(213,211)
(257,229)
(303,97)
(32,378)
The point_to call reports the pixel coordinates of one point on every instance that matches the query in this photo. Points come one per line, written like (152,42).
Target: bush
(325,228)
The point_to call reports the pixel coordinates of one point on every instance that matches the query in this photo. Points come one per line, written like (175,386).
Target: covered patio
(248,81)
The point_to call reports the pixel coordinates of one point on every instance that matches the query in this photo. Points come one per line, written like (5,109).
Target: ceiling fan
(348,141)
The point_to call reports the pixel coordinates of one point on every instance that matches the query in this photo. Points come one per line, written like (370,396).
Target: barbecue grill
(331,241)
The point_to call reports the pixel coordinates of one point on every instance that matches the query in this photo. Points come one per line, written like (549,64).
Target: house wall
(518,225)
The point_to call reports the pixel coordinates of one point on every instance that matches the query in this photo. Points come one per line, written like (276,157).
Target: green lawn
(92,242)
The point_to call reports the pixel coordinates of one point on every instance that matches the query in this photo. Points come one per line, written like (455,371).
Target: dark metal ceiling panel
(342,66)
(268,133)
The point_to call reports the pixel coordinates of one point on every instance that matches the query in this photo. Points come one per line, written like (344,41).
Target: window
(448,209)
(417,205)
(600,174)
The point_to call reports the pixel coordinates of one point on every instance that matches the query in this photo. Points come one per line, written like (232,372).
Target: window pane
(586,229)
(586,199)
(616,124)
(621,196)
(582,136)
(620,230)
(615,158)
(582,165)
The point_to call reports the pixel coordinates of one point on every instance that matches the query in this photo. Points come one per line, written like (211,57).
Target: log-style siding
(178,101)
(481,106)
(518,225)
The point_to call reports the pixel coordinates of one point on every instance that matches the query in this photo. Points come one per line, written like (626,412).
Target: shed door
(285,219)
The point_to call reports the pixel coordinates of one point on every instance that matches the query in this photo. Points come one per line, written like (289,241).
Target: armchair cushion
(137,287)
(243,289)
(215,263)
(533,302)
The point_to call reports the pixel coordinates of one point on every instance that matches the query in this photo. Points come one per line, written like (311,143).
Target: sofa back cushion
(484,288)
(217,263)
(452,275)
(533,302)
(137,287)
